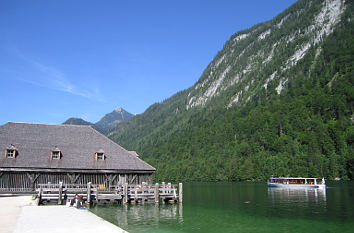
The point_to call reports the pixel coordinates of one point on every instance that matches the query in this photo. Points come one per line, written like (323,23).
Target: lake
(241,207)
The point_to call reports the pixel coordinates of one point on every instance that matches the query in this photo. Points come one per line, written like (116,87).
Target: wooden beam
(36,176)
(111,179)
(32,177)
(77,177)
(133,179)
(73,177)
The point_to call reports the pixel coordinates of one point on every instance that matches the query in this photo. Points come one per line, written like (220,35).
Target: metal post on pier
(180,194)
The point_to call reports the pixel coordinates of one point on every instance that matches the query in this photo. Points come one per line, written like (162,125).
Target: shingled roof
(77,144)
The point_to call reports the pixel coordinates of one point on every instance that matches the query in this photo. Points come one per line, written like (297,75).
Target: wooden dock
(99,193)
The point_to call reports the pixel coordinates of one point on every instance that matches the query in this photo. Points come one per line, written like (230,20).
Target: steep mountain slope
(107,122)
(276,100)
(266,54)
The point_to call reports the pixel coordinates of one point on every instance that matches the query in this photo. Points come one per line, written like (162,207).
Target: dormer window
(11,152)
(55,154)
(99,155)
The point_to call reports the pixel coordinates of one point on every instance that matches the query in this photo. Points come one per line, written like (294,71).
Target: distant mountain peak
(108,122)
(119,109)
(111,120)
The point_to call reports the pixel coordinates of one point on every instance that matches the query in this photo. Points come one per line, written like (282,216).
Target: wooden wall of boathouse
(26,181)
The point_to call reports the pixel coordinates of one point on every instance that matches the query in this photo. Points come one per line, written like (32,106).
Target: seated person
(80,202)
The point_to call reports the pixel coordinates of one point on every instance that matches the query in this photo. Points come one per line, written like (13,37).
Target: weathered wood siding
(27,181)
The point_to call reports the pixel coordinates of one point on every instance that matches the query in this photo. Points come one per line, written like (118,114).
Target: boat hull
(278,185)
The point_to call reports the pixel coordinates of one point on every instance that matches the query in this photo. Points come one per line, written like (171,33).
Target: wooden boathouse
(40,153)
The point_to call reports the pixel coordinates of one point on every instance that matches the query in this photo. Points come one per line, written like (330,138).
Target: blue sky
(84,58)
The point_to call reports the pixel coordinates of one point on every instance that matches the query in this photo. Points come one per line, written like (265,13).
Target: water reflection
(241,207)
(297,194)
(148,214)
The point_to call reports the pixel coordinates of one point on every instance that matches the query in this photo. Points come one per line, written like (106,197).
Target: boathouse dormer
(11,152)
(55,153)
(99,155)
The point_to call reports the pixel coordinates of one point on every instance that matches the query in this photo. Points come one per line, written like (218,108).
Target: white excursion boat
(297,182)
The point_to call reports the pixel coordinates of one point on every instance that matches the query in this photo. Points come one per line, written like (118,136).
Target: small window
(100,156)
(10,154)
(56,155)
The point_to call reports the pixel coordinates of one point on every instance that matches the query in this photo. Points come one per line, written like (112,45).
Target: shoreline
(19,215)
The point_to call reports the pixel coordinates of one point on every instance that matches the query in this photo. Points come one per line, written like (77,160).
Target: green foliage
(76,121)
(307,130)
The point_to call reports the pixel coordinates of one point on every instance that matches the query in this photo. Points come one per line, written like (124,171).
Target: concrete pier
(20,215)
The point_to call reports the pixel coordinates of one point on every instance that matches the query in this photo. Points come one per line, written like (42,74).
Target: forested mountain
(277,100)
(107,122)
(76,121)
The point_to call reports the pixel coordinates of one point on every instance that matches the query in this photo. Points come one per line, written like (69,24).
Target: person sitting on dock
(73,202)
(80,202)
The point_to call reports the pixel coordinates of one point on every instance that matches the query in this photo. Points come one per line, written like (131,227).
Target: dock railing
(95,193)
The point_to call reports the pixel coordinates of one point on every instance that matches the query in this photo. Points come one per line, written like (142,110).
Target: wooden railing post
(163,187)
(88,192)
(96,193)
(125,193)
(180,194)
(156,193)
(60,193)
(169,188)
(39,194)
(174,194)
(136,194)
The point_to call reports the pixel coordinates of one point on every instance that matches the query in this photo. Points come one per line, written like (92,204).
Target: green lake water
(241,207)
